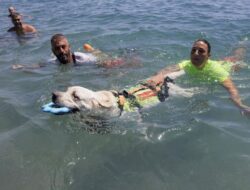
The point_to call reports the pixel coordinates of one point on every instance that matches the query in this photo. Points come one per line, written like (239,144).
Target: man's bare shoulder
(29,28)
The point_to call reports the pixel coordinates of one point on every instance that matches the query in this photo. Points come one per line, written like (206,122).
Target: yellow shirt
(213,71)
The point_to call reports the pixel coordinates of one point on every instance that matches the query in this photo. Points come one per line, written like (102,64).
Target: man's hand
(150,84)
(17,66)
(156,87)
(245,110)
(235,97)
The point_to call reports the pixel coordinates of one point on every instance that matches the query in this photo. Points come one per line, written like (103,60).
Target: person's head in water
(61,48)
(11,10)
(16,19)
(200,53)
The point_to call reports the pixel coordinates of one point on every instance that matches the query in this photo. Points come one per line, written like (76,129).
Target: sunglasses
(199,50)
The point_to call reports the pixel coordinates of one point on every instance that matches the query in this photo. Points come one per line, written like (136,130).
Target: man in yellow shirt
(205,69)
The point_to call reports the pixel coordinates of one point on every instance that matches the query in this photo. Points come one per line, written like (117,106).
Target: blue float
(55,109)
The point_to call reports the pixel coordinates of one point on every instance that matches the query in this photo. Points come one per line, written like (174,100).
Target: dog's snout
(54,96)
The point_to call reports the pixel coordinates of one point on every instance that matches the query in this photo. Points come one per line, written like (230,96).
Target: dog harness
(142,95)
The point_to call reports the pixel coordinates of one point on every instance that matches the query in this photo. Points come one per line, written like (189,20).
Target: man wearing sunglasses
(19,27)
(204,69)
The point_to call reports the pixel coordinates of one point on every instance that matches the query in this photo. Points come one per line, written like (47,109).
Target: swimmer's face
(61,49)
(17,21)
(199,54)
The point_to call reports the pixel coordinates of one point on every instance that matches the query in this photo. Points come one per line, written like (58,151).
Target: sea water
(184,143)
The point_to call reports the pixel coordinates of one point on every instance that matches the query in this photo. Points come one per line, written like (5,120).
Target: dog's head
(79,98)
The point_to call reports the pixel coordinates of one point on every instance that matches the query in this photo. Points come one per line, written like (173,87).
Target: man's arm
(29,28)
(234,95)
(12,29)
(34,66)
(161,75)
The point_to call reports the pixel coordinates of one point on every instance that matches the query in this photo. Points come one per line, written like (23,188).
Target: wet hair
(57,36)
(206,42)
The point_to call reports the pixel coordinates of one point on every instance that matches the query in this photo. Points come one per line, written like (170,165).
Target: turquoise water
(184,143)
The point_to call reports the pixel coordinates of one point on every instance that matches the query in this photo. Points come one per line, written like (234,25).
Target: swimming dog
(114,103)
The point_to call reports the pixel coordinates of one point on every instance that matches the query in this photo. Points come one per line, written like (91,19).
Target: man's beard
(63,58)
(19,25)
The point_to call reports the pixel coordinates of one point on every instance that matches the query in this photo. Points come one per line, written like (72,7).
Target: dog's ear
(106,104)
(94,103)
(81,99)
(105,99)
(75,96)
